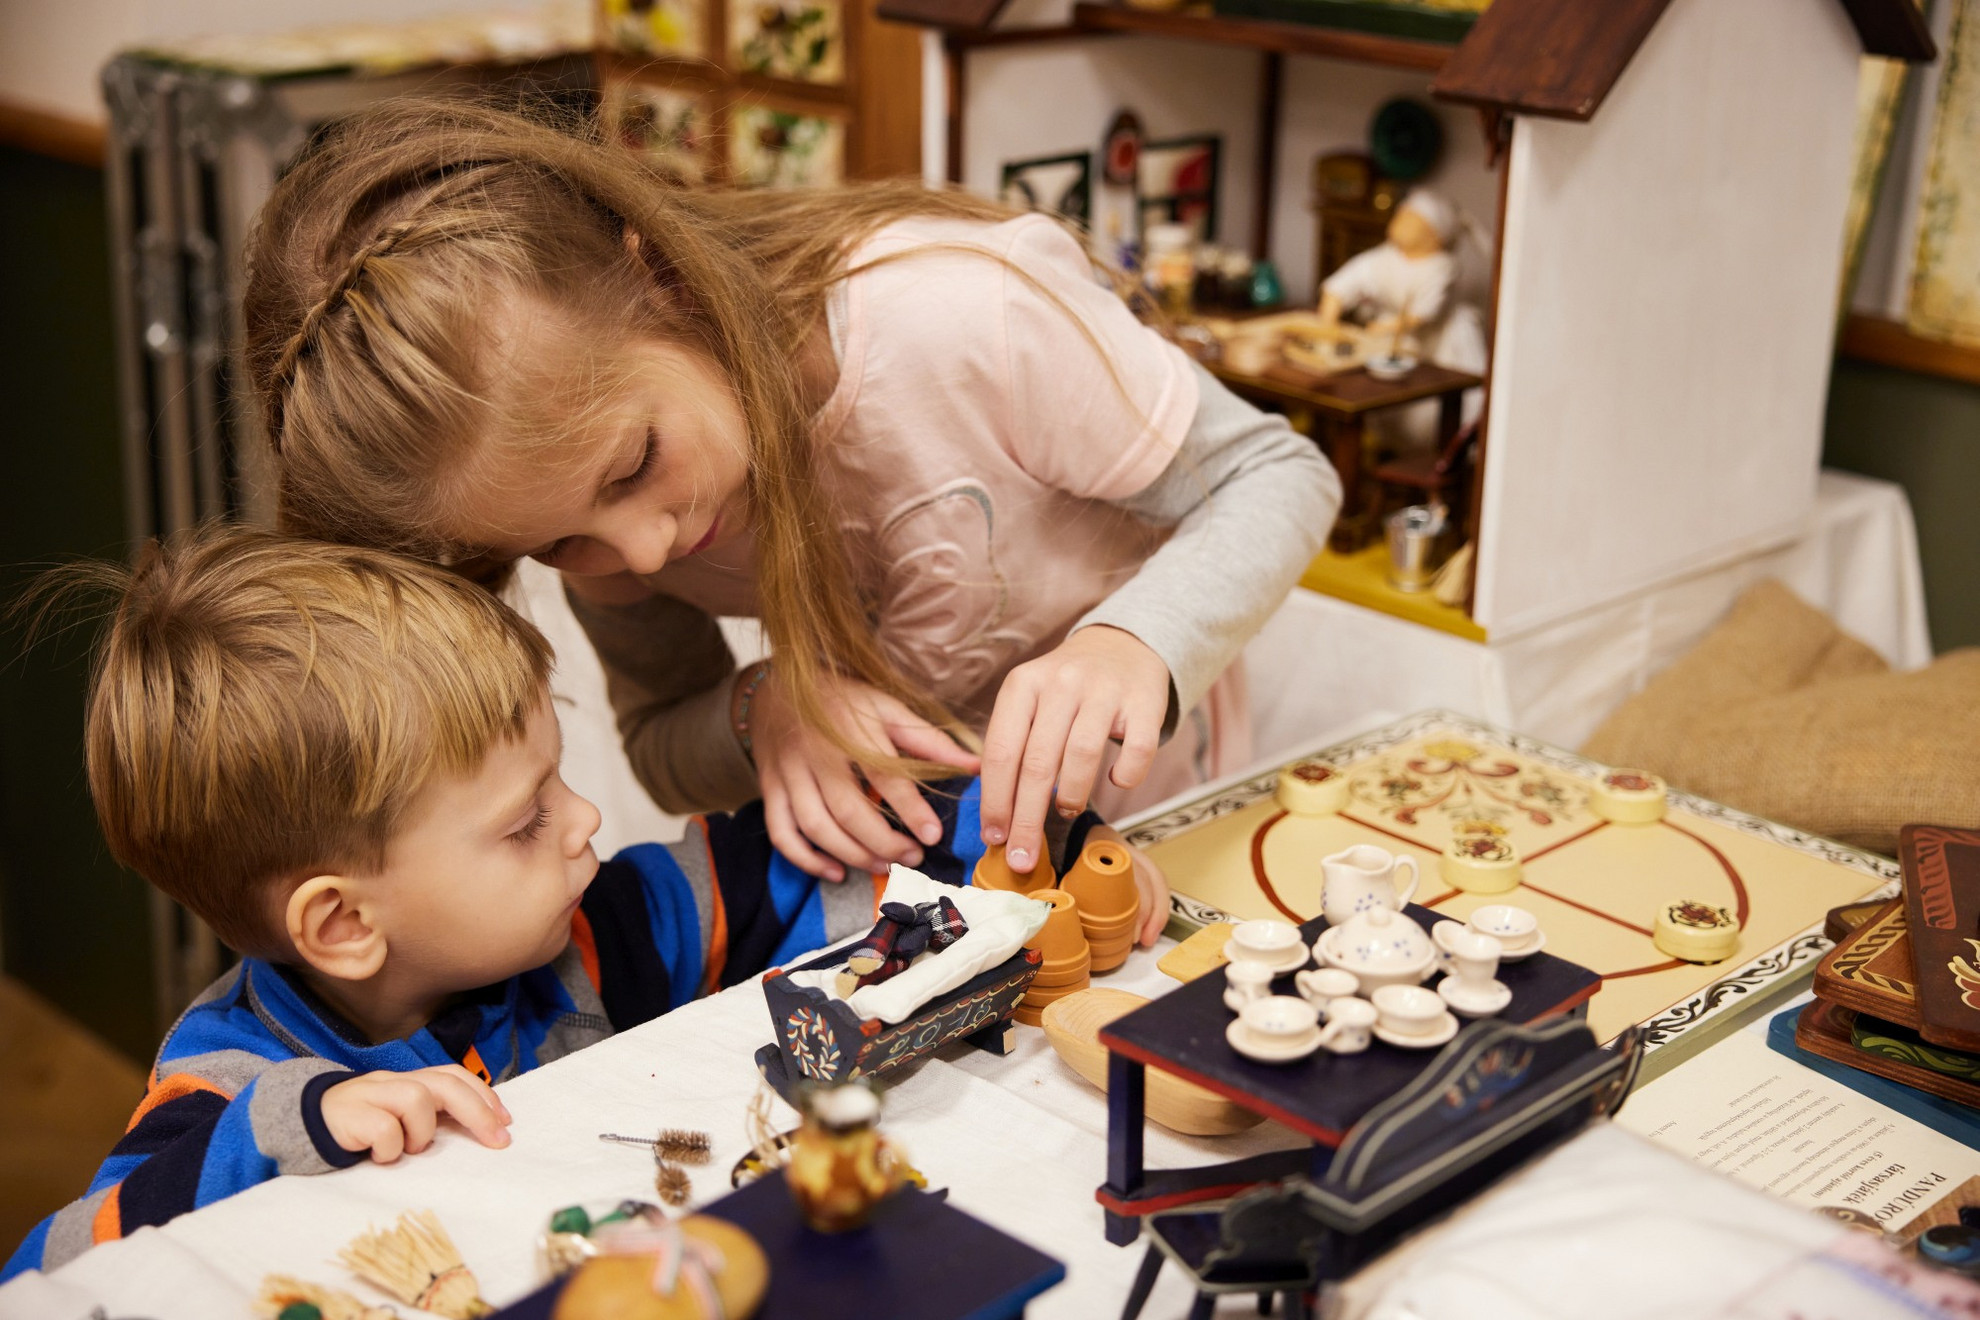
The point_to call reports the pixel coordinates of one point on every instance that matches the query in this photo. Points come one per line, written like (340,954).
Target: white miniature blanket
(999,924)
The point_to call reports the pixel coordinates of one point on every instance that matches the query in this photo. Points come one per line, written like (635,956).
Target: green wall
(74,923)
(1924,433)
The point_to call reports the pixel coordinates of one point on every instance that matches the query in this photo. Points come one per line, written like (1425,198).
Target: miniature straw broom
(286,1298)
(417,1263)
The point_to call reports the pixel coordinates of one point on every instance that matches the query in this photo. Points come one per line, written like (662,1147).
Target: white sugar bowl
(1380,947)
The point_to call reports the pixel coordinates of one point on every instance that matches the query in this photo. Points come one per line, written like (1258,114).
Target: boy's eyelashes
(532,829)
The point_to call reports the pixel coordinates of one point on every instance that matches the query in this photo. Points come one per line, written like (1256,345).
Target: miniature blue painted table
(919,1258)
(1321,1096)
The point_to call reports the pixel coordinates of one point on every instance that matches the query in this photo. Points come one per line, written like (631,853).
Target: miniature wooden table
(1321,1096)
(1332,409)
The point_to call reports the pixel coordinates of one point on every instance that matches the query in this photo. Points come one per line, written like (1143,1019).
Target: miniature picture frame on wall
(798,40)
(1062,185)
(676,28)
(673,126)
(1178,183)
(776,147)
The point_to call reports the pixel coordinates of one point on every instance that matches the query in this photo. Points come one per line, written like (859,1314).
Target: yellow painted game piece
(1201,953)
(1480,863)
(1629,797)
(1312,788)
(1697,932)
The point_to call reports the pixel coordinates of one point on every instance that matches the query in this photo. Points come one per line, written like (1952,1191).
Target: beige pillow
(1780,713)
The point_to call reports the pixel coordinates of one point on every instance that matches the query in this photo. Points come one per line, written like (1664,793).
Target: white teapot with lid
(1380,947)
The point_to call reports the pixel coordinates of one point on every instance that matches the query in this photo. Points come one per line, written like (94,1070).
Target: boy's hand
(1053,719)
(817,810)
(1148,879)
(390,1113)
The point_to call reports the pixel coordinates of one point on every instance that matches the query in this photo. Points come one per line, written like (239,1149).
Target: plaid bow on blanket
(903,931)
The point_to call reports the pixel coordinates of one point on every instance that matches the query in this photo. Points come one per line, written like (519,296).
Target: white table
(1019,1141)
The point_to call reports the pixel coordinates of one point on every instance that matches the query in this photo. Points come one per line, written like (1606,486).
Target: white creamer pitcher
(1361,878)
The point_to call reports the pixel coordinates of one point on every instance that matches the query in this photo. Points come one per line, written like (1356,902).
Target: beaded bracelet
(746,693)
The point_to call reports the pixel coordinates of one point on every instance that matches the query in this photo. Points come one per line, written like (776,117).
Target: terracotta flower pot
(1060,940)
(1038,998)
(1102,879)
(1072,969)
(994,872)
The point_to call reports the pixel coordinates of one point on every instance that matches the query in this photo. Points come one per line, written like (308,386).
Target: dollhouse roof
(1559,58)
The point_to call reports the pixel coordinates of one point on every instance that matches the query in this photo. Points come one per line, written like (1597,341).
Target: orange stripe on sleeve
(718,934)
(108,1225)
(170,1088)
(587,947)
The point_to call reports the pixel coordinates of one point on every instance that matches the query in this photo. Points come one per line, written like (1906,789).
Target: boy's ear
(334,930)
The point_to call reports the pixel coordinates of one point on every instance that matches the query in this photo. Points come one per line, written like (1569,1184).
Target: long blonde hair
(374,264)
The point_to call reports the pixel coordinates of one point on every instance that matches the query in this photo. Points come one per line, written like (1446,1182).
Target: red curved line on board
(1562,843)
(1644,971)
(1591,911)
(1258,867)
(1739,886)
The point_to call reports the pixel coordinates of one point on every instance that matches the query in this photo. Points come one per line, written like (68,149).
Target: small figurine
(840,1166)
(1402,288)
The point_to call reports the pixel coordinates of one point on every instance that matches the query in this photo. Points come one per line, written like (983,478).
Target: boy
(345,762)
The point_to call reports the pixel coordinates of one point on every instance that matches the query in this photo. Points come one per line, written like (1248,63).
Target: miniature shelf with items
(778,93)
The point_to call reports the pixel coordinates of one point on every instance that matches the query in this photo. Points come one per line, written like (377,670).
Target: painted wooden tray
(1231,852)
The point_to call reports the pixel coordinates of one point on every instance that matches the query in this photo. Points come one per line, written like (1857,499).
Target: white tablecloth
(1018,1141)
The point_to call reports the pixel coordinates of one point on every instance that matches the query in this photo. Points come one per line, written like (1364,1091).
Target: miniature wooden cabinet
(762,92)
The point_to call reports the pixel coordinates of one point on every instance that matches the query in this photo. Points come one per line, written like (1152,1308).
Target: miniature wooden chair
(1428,476)
(1496,1097)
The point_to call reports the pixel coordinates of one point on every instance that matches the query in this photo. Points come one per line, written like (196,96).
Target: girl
(964,489)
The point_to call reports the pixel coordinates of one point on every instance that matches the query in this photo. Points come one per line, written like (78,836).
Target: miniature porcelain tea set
(1373,962)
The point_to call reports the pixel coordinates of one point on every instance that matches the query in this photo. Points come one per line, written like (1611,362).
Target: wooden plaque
(1870,969)
(1834,1032)
(1942,908)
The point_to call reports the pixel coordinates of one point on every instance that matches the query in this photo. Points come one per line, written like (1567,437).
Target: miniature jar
(840,1167)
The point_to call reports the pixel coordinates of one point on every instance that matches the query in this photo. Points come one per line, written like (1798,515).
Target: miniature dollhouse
(1663,183)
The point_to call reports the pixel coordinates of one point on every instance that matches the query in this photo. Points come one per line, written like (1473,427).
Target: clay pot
(1060,941)
(1103,881)
(1038,998)
(993,872)
(1073,969)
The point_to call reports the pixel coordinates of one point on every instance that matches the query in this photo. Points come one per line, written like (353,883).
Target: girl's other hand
(1053,719)
(816,808)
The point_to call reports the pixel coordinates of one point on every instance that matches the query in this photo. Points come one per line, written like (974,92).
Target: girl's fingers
(926,742)
(1154,888)
(824,831)
(904,796)
(853,812)
(1003,744)
(1140,731)
(1086,743)
(787,839)
(1038,767)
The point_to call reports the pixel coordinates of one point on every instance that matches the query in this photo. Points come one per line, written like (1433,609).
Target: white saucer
(1495,998)
(1525,951)
(1422,1040)
(1251,1047)
(1294,960)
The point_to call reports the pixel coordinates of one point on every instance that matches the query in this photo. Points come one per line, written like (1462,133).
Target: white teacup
(1513,927)
(1471,957)
(1246,982)
(1321,986)
(1280,1019)
(1270,942)
(1409,1010)
(1349,1022)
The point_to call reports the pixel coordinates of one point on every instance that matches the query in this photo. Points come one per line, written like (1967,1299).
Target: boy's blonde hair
(265,708)
(372,274)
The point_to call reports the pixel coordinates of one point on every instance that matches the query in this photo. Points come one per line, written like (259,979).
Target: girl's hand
(1149,880)
(1051,724)
(816,808)
(394,1113)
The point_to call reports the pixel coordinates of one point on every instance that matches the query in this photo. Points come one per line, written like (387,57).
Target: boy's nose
(585,821)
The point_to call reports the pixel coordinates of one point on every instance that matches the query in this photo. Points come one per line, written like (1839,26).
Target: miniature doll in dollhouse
(1401,290)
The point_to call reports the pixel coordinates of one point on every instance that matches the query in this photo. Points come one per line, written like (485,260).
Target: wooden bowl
(1072,1024)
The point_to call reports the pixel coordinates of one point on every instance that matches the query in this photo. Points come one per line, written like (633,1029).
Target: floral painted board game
(1414,786)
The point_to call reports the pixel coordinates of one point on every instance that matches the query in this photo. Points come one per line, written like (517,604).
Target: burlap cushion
(1780,713)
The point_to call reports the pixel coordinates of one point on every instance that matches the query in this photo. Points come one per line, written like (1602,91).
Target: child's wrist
(742,705)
